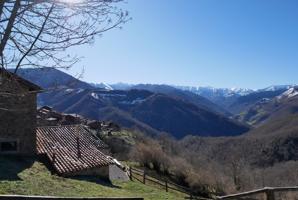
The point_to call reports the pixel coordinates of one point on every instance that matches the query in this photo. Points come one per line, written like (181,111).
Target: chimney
(78,144)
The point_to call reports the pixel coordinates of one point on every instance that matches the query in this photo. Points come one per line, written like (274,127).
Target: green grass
(128,136)
(29,177)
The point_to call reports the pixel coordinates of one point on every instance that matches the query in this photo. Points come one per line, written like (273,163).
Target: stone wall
(101,172)
(17,116)
(116,173)
(20,197)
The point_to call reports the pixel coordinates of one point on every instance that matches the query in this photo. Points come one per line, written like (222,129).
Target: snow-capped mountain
(102,85)
(277,87)
(280,102)
(290,93)
(223,97)
(122,86)
(211,91)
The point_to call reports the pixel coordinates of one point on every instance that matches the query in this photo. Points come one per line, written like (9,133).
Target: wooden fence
(143,177)
(267,191)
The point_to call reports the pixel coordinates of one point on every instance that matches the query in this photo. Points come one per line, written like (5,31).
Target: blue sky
(220,43)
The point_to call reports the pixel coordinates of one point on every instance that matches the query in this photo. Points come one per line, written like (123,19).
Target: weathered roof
(71,148)
(31,86)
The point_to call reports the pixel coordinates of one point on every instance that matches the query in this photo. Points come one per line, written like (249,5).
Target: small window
(10,146)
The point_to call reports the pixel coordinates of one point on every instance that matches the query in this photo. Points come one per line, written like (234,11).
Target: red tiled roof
(71,148)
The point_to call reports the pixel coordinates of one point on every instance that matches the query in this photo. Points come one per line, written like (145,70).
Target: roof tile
(71,148)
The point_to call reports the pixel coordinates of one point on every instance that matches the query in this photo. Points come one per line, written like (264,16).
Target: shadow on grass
(97,180)
(11,166)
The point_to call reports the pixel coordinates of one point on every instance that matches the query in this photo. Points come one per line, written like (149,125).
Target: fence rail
(267,191)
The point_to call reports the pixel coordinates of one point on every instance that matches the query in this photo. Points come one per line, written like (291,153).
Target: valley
(255,133)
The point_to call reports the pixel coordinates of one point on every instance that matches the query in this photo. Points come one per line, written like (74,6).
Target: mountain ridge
(282,104)
(136,107)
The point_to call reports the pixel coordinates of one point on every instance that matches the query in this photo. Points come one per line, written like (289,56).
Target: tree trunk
(9,26)
(1,7)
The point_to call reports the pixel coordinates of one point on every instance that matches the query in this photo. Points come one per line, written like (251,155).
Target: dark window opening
(8,146)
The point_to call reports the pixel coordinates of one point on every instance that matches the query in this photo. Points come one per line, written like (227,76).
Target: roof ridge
(59,126)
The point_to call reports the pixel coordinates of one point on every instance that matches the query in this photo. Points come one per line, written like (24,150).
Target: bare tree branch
(39,32)
(36,39)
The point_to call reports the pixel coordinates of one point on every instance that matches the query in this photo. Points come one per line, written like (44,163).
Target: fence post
(130,173)
(166,183)
(269,194)
(190,196)
(144,176)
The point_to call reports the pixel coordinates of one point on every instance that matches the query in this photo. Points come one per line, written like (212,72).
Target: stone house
(71,149)
(17,114)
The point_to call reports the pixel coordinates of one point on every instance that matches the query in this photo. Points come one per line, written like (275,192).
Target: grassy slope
(29,177)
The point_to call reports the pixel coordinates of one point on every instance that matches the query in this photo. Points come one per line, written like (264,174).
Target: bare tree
(37,33)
